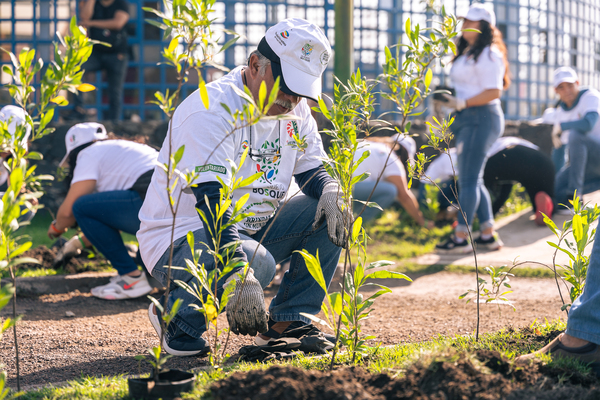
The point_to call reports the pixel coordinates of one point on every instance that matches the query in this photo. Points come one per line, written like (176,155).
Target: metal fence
(540,35)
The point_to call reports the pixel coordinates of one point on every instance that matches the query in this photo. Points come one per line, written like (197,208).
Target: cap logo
(73,138)
(306,50)
(324,57)
(285,34)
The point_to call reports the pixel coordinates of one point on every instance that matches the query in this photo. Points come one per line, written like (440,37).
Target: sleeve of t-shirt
(87,167)
(311,156)
(590,102)
(208,145)
(122,5)
(490,69)
(583,125)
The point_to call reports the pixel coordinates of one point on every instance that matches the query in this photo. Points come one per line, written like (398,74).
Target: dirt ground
(103,337)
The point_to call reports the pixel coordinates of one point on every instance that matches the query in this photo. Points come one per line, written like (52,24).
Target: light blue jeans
(385,194)
(101,217)
(298,293)
(582,173)
(584,316)
(475,130)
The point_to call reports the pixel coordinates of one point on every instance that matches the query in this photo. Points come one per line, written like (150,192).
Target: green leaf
(428,78)
(387,275)
(203,92)
(356,228)
(314,267)
(179,154)
(262,95)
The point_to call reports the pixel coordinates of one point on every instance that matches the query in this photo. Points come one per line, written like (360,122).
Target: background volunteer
(576,126)
(479,74)
(105,21)
(297,52)
(107,182)
(391,187)
(510,160)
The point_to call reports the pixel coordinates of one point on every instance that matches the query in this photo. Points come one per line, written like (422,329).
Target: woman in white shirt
(107,182)
(479,74)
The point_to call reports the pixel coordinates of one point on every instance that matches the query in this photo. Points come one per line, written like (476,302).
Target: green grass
(509,342)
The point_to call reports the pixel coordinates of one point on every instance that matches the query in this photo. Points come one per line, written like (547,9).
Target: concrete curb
(54,284)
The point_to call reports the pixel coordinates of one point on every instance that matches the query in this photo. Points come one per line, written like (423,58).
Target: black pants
(531,168)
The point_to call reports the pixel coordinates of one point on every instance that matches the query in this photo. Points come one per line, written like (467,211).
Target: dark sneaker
(493,243)
(451,246)
(590,353)
(543,205)
(296,329)
(176,342)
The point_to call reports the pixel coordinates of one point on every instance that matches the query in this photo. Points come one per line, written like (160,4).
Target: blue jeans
(115,65)
(584,316)
(291,230)
(475,130)
(582,173)
(102,215)
(385,193)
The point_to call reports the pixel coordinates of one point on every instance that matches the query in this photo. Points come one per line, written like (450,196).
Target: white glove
(454,102)
(556,132)
(330,208)
(246,312)
(70,249)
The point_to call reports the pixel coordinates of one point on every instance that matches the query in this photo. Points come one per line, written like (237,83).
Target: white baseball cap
(299,52)
(407,142)
(81,134)
(16,116)
(564,74)
(480,12)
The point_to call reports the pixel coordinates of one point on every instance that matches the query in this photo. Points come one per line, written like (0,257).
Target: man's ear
(253,66)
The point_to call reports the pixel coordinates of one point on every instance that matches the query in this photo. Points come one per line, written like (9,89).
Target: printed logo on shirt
(260,203)
(306,51)
(269,166)
(219,169)
(292,128)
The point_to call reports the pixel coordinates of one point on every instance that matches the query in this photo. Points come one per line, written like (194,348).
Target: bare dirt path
(104,337)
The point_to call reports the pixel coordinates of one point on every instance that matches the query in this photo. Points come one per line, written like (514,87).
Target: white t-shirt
(440,169)
(204,132)
(588,102)
(469,78)
(114,164)
(375,163)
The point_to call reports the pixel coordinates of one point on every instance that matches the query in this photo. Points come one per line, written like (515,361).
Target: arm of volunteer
(230,234)
(313,181)
(406,198)
(86,10)
(484,97)
(64,217)
(583,125)
(115,24)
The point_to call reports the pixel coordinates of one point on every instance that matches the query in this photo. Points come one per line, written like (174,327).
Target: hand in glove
(246,312)
(70,249)
(454,102)
(330,208)
(556,132)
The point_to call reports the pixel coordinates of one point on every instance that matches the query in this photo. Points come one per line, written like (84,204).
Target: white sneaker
(123,287)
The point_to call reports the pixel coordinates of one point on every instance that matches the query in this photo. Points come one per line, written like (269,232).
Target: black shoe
(493,243)
(451,246)
(296,329)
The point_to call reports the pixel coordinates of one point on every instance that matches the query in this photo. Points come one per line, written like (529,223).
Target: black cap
(267,51)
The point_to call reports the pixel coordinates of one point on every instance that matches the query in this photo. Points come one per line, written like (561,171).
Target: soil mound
(84,262)
(482,375)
